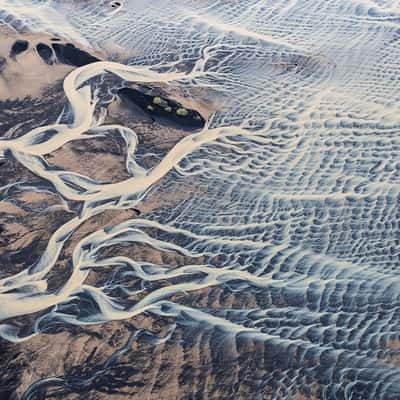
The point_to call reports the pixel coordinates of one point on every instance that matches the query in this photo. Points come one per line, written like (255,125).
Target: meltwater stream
(291,190)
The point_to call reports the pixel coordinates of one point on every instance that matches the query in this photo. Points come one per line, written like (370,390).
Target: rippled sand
(254,258)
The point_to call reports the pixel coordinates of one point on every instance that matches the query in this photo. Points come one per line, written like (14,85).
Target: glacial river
(294,181)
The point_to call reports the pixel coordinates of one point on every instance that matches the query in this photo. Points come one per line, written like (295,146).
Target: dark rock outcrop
(69,54)
(45,52)
(18,47)
(164,109)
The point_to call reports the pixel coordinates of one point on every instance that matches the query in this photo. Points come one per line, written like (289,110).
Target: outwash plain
(200,199)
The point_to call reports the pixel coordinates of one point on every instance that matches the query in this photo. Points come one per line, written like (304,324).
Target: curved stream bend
(290,228)
(26,292)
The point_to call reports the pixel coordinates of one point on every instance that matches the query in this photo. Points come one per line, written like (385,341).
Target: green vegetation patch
(182,112)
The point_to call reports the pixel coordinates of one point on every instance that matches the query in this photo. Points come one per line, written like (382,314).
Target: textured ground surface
(257,258)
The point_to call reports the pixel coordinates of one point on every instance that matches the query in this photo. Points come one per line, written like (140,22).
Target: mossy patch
(160,102)
(182,112)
